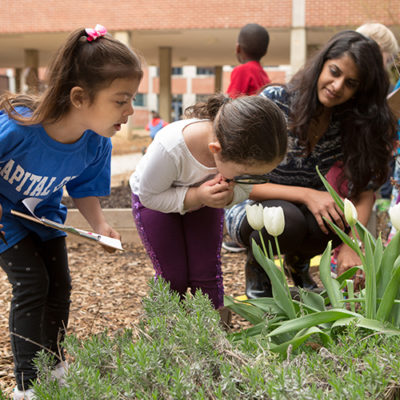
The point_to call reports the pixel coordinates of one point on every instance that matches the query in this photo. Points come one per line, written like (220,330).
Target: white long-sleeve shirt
(168,169)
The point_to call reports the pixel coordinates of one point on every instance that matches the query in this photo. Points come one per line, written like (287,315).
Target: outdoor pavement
(124,163)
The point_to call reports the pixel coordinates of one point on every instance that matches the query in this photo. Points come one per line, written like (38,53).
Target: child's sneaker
(28,394)
(59,372)
(233,247)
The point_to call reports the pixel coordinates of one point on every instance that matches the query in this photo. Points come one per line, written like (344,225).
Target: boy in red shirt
(249,77)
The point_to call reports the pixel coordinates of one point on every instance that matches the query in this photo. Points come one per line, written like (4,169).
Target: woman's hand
(348,258)
(321,204)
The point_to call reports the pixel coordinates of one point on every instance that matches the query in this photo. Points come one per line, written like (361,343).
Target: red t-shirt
(247,79)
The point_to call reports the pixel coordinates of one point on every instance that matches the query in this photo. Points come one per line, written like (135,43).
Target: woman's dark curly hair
(368,126)
(249,129)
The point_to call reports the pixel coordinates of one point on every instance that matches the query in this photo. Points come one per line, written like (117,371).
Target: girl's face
(111,107)
(338,81)
(230,169)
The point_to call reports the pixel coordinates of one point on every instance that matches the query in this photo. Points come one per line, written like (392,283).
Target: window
(177,71)
(140,100)
(205,71)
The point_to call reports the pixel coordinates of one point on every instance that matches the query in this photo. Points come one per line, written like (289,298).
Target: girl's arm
(90,208)
(320,203)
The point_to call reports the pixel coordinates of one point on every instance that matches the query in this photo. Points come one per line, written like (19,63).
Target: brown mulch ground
(107,293)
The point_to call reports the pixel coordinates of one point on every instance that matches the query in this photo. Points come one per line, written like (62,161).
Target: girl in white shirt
(194,168)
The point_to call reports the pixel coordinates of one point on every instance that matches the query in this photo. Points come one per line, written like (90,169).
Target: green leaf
(361,229)
(348,274)
(371,324)
(390,254)
(252,314)
(343,236)
(279,289)
(299,339)
(378,254)
(266,304)
(389,296)
(370,280)
(313,300)
(249,332)
(312,320)
(332,287)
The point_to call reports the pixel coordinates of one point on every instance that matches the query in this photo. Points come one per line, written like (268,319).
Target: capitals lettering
(32,185)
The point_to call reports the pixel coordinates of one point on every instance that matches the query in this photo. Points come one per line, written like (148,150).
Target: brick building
(188,45)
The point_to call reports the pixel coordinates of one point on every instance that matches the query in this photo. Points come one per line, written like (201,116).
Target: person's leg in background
(204,231)
(163,238)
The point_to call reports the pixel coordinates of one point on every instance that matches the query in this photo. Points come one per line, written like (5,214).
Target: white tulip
(394,213)
(255,216)
(274,220)
(350,212)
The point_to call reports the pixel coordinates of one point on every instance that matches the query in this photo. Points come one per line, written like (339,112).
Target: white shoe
(233,247)
(59,372)
(28,394)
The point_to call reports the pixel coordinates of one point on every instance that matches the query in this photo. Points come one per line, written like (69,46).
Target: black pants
(41,287)
(302,236)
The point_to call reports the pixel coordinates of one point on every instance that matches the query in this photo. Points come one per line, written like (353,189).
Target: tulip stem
(280,257)
(263,244)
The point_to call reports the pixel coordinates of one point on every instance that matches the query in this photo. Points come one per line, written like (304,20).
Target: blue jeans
(41,286)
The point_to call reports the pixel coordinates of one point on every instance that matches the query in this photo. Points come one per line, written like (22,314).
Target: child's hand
(107,230)
(216,192)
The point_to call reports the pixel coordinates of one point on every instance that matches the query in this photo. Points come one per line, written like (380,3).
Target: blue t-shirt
(32,164)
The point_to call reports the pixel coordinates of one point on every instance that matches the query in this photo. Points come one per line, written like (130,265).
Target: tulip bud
(255,216)
(350,212)
(274,220)
(394,213)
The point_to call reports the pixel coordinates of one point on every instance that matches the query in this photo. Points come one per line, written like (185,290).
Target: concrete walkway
(124,163)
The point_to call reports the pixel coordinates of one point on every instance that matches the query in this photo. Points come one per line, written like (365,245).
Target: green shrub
(179,351)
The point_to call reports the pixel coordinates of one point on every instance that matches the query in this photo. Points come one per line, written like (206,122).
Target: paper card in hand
(31,203)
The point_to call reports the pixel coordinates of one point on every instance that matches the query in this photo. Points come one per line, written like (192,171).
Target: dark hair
(254,41)
(367,124)
(91,65)
(249,129)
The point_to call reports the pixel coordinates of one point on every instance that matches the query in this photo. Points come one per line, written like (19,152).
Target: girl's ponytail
(209,109)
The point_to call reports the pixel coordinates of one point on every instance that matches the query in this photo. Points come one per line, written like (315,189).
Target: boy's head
(252,43)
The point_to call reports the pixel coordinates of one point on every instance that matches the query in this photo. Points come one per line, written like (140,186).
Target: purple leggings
(184,249)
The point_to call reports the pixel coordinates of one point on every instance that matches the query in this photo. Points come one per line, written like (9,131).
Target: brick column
(30,73)
(298,45)
(165,63)
(218,79)
(125,38)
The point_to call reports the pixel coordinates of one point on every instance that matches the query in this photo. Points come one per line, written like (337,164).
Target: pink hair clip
(93,34)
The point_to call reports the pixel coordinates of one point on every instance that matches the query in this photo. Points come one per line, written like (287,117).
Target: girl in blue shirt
(61,138)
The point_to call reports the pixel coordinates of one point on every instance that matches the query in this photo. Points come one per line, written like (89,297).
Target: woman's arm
(90,208)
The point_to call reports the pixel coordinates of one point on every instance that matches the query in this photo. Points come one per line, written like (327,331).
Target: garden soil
(107,289)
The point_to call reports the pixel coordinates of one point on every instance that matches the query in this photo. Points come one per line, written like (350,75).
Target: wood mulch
(107,292)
